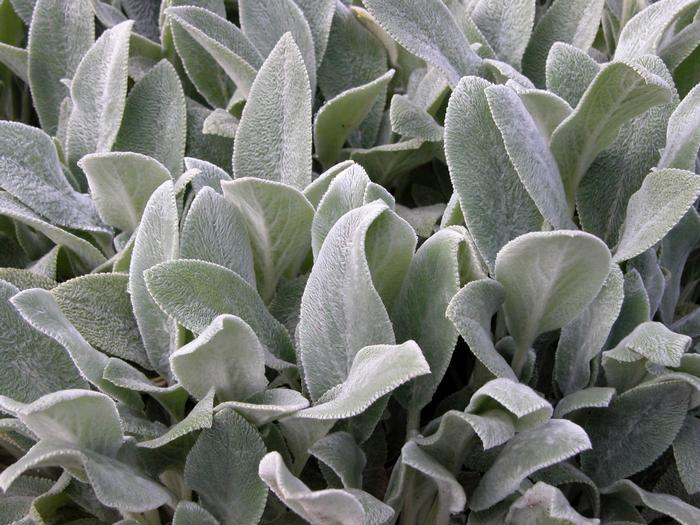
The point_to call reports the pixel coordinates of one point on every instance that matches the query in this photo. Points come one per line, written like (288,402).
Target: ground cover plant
(362,262)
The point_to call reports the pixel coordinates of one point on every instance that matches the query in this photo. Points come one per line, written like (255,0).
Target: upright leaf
(60,34)
(507,27)
(279,105)
(683,134)
(155,118)
(98,94)
(342,309)
(222,467)
(429,31)
(482,173)
(156,242)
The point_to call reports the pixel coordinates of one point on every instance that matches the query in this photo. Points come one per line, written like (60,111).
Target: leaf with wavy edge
(528,452)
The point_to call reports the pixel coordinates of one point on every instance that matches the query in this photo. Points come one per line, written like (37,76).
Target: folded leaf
(593,397)
(339,452)
(525,454)
(121,184)
(226,356)
(278,219)
(60,34)
(215,231)
(654,342)
(414,25)
(31,172)
(338,117)
(495,204)
(200,417)
(156,241)
(528,150)
(267,406)
(189,513)
(196,292)
(330,506)
(660,203)
(342,310)
(545,504)
(214,52)
(375,371)
(279,105)
(222,467)
(155,118)
(98,94)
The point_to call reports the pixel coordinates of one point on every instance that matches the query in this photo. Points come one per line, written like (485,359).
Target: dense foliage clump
(425,262)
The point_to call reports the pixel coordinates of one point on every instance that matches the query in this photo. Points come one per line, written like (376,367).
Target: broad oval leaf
(549,278)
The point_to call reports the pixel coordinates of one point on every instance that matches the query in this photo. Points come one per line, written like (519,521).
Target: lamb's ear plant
(368,262)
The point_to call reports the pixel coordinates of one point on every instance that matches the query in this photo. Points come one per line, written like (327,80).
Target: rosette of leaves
(349,262)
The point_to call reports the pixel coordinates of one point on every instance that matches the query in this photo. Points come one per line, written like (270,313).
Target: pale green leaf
(549,278)
(215,231)
(264,22)
(279,105)
(338,117)
(573,22)
(98,306)
(653,341)
(545,505)
(342,309)
(220,122)
(414,24)
(375,371)
(200,417)
(98,94)
(569,72)
(655,208)
(584,337)
(547,109)
(278,220)
(410,120)
(40,310)
(319,16)
(121,184)
(618,93)
(16,59)
(189,513)
(387,162)
(222,468)
(683,134)
(528,150)
(32,364)
(215,53)
(155,118)
(156,241)
(270,405)
(495,204)
(507,26)
(593,397)
(644,32)
(315,191)
(340,452)
(60,34)
(30,170)
(195,292)
(528,452)
(226,356)
(330,506)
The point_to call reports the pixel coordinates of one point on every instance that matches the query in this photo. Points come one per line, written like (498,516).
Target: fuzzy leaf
(549,278)
(60,34)
(528,452)
(375,371)
(660,203)
(222,467)
(156,242)
(195,292)
(545,505)
(683,134)
(414,24)
(339,452)
(278,219)
(495,204)
(226,356)
(279,106)
(569,72)
(506,26)
(214,231)
(121,184)
(155,118)
(634,430)
(98,94)
(342,309)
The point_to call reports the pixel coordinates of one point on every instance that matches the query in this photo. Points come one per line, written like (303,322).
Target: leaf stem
(519,359)
(408,513)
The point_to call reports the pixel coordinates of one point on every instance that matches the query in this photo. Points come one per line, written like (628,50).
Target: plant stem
(519,359)
(408,513)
